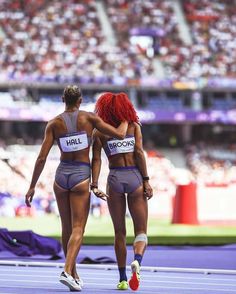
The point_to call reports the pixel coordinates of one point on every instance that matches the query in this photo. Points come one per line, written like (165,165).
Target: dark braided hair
(71,94)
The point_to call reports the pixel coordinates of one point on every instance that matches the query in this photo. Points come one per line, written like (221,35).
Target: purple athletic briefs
(124,179)
(71,173)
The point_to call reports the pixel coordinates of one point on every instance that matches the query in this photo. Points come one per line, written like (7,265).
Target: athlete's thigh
(138,209)
(63,203)
(79,203)
(117,208)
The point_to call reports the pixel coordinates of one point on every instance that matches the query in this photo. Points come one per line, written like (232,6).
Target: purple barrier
(146,116)
(153,32)
(211,116)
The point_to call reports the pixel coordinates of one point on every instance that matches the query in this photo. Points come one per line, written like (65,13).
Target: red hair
(115,108)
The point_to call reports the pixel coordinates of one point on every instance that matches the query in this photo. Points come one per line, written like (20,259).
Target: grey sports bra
(114,146)
(73,140)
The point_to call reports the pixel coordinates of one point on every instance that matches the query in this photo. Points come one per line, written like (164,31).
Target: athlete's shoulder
(83,112)
(137,125)
(53,122)
(134,126)
(91,115)
(86,114)
(56,118)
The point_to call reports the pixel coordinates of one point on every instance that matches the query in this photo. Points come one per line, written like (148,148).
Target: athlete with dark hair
(72,130)
(128,175)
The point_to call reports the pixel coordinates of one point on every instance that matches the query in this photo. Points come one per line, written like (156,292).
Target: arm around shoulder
(107,129)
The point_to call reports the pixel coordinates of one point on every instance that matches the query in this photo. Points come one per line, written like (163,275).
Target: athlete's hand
(29,196)
(100,194)
(148,192)
(124,123)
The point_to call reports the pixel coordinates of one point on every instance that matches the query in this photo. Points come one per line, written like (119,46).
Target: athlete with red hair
(128,176)
(114,108)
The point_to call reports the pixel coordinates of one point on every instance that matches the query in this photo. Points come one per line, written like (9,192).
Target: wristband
(93,186)
(146,178)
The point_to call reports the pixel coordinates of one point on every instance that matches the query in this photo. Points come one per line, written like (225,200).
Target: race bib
(74,142)
(121,146)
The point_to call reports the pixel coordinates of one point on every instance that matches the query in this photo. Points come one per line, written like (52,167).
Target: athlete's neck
(71,108)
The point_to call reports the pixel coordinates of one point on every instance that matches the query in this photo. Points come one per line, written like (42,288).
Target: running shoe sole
(123,285)
(66,281)
(135,278)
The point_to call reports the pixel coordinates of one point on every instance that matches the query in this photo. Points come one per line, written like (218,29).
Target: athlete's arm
(40,162)
(96,166)
(141,161)
(107,129)
(96,159)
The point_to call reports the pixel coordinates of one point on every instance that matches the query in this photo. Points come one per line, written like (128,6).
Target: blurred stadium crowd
(116,40)
(16,165)
(209,166)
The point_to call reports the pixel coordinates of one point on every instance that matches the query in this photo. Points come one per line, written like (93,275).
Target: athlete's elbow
(139,152)
(41,160)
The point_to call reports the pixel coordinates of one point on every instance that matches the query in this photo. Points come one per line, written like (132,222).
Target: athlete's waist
(123,167)
(74,162)
(110,155)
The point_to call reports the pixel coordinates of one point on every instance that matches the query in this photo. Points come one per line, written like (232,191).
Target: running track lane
(34,279)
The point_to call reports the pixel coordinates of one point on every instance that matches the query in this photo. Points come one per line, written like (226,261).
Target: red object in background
(185,205)
(23,210)
(201,17)
(154,153)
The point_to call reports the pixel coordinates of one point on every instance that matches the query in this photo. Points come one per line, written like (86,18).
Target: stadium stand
(64,40)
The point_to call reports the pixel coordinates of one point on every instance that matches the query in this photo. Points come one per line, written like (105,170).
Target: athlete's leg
(138,208)
(137,204)
(117,208)
(63,203)
(79,204)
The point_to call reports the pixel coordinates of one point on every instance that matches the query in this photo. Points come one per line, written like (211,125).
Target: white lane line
(114,266)
(29,281)
(143,286)
(172,287)
(85,290)
(110,274)
(140,290)
(159,280)
(105,271)
(29,287)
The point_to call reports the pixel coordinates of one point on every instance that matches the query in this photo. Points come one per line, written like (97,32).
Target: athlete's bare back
(85,122)
(122,159)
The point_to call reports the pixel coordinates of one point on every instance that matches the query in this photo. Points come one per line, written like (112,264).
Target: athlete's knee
(120,234)
(142,237)
(77,232)
(66,226)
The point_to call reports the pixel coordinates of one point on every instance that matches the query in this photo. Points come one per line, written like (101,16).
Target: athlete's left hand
(100,194)
(29,196)
(148,192)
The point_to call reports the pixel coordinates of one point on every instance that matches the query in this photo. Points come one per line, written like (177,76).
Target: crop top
(115,146)
(73,140)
